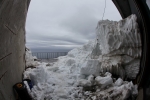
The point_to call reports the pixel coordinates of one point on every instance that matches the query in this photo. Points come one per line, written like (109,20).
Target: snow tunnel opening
(100,64)
(74,29)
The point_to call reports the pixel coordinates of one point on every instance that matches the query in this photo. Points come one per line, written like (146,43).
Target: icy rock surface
(86,73)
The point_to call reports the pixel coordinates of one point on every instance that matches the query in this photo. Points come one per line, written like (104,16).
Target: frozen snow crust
(86,73)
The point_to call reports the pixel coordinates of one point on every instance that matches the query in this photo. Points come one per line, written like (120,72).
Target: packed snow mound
(89,67)
(75,58)
(30,59)
(51,85)
(86,72)
(104,81)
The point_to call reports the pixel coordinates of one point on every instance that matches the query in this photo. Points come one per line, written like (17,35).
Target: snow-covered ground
(86,73)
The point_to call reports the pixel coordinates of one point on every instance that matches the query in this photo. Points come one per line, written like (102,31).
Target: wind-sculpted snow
(121,37)
(86,73)
(120,44)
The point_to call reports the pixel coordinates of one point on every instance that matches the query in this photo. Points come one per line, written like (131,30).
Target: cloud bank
(56,25)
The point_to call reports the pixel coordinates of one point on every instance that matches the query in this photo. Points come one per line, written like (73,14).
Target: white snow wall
(12,45)
(120,45)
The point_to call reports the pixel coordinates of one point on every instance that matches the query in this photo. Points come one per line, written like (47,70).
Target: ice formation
(86,73)
(120,44)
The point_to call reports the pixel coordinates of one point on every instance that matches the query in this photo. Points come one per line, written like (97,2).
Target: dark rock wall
(12,44)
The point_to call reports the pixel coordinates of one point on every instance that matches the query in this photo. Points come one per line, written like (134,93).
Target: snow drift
(30,59)
(120,44)
(86,72)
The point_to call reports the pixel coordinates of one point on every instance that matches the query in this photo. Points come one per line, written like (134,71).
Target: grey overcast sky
(65,24)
